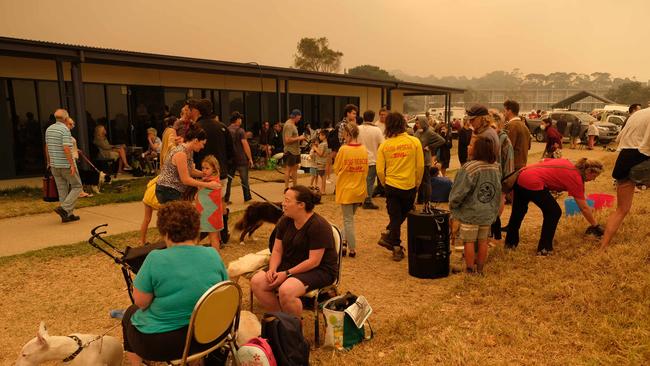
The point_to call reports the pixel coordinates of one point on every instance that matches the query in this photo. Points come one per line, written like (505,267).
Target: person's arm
(47,156)
(142,299)
(435,142)
(512,135)
(380,165)
(460,189)
(67,150)
(586,211)
(180,160)
(419,163)
(274,262)
(247,151)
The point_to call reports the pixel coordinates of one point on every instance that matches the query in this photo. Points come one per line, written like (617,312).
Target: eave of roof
(579,96)
(79,53)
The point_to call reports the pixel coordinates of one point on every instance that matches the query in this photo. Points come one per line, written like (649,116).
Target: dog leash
(81,346)
(88,160)
(257,194)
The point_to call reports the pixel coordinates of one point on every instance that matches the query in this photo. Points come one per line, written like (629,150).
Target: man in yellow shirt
(400,166)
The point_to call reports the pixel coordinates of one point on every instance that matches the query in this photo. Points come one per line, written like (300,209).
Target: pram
(130,259)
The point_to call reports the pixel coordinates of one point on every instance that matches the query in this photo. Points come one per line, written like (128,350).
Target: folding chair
(215,316)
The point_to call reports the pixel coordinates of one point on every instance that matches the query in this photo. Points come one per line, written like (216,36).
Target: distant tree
(534,80)
(314,54)
(628,93)
(560,80)
(372,72)
(601,80)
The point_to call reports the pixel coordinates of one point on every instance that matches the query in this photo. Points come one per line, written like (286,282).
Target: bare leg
(214,240)
(134,359)
(264,293)
(287,176)
(323,182)
(482,254)
(469,255)
(148,212)
(289,293)
(122,153)
(624,197)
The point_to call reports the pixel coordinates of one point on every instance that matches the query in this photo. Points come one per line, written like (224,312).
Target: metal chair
(215,316)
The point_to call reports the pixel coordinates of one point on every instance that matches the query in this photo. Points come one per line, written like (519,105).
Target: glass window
(95,108)
(270,111)
(7,165)
(339,107)
(118,112)
(252,114)
(307,111)
(28,149)
(216,104)
(326,108)
(48,102)
(234,101)
(147,110)
(175,99)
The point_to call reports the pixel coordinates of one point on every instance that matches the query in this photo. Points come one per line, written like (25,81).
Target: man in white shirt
(371,137)
(381,123)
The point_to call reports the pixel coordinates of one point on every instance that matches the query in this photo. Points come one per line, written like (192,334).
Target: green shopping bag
(346,317)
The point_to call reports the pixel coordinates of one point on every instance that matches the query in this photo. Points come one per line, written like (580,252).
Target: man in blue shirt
(58,144)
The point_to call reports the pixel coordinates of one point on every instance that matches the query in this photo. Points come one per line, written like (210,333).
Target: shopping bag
(149,198)
(346,318)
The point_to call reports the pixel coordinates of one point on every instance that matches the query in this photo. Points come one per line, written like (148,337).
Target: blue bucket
(571,206)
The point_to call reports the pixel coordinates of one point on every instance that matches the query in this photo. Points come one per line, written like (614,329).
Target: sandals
(344,248)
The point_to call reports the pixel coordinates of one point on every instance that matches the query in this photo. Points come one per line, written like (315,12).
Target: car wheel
(540,136)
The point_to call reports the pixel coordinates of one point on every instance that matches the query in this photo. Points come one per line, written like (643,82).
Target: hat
(477,110)
(295,112)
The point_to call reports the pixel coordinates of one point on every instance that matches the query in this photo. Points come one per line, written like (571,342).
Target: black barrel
(428,244)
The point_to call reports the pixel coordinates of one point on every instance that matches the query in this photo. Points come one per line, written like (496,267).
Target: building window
(95,101)
(326,109)
(29,156)
(216,104)
(270,111)
(252,114)
(147,108)
(175,99)
(231,101)
(118,113)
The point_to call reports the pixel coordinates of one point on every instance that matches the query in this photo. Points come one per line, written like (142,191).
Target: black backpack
(284,333)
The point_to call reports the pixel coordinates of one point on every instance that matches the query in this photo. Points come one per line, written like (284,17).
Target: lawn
(579,306)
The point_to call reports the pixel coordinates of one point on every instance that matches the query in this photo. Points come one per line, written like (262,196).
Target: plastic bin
(571,206)
(602,200)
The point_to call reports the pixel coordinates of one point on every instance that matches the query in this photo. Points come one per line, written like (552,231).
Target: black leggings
(550,209)
(398,203)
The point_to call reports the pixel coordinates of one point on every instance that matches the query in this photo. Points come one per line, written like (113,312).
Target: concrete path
(27,233)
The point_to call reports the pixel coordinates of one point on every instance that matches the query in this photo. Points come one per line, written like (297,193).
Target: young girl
(351,168)
(313,154)
(475,199)
(592,132)
(322,158)
(208,202)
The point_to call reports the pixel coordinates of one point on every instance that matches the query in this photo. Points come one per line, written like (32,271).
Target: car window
(556,116)
(616,120)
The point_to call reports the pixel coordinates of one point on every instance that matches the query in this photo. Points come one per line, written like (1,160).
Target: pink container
(601,200)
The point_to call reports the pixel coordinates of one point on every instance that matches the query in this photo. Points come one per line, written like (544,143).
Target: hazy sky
(419,37)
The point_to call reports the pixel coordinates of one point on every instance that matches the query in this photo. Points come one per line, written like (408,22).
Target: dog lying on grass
(255,215)
(107,351)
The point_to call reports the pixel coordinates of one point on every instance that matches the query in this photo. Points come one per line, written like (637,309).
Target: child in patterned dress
(208,202)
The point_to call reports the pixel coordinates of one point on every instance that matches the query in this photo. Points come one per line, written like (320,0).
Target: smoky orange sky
(419,37)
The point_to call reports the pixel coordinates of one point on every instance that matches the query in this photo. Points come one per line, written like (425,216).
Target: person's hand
(178,140)
(214,185)
(280,277)
(270,275)
(303,137)
(250,163)
(73,170)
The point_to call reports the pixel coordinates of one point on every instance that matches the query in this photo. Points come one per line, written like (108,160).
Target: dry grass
(580,306)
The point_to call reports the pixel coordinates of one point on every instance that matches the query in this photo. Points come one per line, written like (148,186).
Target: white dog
(107,351)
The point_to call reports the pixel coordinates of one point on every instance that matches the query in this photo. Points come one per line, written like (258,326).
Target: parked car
(607,131)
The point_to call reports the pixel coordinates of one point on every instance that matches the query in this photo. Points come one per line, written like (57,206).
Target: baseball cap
(477,110)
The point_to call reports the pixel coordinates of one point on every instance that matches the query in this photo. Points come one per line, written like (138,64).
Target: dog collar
(77,352)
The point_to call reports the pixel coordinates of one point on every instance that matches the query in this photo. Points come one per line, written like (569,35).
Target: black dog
(255,215)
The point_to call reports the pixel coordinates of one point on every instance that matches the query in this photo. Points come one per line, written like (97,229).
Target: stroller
(130,259)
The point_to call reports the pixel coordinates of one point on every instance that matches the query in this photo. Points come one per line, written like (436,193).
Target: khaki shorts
(470,233)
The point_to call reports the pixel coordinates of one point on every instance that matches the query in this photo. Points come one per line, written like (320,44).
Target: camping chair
(314,294)
(215,316)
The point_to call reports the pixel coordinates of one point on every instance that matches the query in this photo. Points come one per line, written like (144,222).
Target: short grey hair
(61,115)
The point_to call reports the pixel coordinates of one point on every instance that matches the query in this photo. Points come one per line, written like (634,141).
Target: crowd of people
(368,158)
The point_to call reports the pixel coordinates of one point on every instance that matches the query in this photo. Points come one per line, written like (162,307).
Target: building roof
(80,53)
(564,103)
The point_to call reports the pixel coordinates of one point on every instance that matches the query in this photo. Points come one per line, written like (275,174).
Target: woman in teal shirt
(168,286)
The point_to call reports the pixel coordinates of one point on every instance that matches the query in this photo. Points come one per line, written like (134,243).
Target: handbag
(50,193)
(346,317)
(149,198)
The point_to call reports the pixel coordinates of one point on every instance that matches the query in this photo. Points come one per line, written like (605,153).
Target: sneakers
(368,205)
(61,212)
(398,253)
(70,218)
(385,242)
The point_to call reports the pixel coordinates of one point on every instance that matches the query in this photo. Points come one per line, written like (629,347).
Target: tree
(314,54)
(371,72)
(629,93)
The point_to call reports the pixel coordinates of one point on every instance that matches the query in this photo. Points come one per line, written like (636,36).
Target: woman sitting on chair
(167,287)
(303,257)
(108,151)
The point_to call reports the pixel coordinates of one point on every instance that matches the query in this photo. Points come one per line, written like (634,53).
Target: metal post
(80,106)
(278,96)
(61,83)
(286,91)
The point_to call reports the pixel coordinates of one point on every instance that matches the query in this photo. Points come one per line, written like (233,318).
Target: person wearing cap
(242,160)
(517,132)
(478,117)
(292,142)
